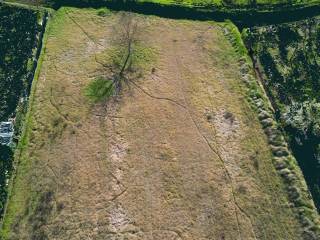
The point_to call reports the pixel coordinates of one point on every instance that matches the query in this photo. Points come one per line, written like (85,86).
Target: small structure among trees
(6,132)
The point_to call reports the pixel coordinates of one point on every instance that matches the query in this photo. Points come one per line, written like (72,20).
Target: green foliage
(289,55)
(18,38)
(289,58)
(18,31)
(305,117)
(140,56)
(21,112)
(14,202)
(99,89)
(199,3)
(6,156)
(237,41)
(188,3)
(103,12)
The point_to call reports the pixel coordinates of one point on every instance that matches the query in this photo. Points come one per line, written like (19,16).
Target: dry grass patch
(170,157)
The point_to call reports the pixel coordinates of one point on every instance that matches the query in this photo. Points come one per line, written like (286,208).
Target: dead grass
(178,155)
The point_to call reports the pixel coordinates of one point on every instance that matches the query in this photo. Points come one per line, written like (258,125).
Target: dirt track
(178,156)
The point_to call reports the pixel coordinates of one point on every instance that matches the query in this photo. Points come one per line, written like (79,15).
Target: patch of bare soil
(178,156)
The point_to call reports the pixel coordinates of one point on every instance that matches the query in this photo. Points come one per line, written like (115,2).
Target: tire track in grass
(216,152)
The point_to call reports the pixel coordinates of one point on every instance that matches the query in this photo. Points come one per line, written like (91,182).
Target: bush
(6,167)
(305,117)
(16,50)
(103,12)
(99,89)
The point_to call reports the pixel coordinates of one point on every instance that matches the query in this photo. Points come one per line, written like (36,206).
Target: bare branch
(116,71)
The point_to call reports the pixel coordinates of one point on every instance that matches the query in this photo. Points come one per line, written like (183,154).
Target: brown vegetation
(179,154)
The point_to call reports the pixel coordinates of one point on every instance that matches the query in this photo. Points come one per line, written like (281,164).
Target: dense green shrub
(99,89)
(18,31)
(304,117)
(288,55)
(18,38)
(186,3)
(6,155)
(103,12)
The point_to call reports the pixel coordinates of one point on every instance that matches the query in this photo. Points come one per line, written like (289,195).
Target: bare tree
(37,3)
(116,71)
(128,37)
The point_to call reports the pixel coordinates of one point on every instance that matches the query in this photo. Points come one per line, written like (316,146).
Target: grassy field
(178,154)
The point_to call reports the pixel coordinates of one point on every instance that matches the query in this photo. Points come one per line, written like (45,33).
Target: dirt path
(178,156)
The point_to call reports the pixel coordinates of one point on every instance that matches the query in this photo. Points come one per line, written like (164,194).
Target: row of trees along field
(18,37)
